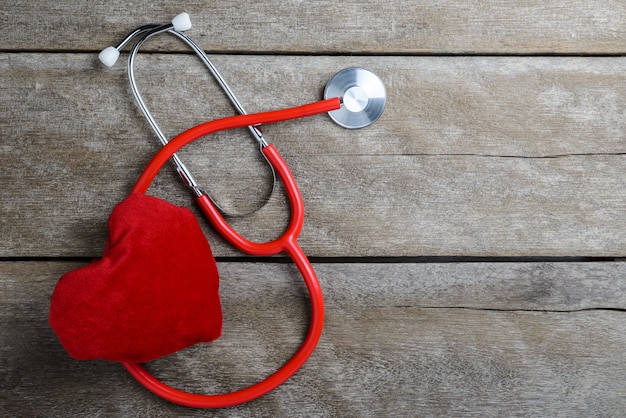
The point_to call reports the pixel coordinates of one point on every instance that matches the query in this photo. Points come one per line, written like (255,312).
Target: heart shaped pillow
(154,291)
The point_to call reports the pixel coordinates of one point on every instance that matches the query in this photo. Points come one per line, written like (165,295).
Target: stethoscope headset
(354,98)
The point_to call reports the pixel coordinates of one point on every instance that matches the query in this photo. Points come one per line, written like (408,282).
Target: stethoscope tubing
(231,122)
(289,236)
(268,384)
(287,243)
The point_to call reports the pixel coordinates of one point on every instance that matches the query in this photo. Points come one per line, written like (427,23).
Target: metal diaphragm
(363,97)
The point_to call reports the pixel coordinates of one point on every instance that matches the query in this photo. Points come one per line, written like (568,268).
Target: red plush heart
(154,291)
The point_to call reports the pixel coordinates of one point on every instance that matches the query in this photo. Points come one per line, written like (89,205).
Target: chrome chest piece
(363,97)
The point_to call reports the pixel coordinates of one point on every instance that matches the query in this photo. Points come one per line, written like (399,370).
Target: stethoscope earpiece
(181,22)
(109,55)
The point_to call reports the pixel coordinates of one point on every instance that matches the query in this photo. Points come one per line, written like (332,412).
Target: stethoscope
(354,98)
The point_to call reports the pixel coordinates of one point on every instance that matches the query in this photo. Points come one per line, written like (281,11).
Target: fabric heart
(154,291)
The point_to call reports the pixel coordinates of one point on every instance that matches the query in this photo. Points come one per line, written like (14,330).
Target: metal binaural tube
(152,30)
(255,131)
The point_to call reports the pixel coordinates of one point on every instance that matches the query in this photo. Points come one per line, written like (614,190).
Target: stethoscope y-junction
(354,98)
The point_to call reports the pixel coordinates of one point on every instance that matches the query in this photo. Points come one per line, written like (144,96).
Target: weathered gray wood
(583,26)
(522,339)
(473,157)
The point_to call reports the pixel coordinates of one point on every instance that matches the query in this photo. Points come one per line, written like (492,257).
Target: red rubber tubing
(287,242)
(289,236)
(232,122)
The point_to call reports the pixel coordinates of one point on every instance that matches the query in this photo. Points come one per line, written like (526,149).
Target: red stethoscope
(354,98)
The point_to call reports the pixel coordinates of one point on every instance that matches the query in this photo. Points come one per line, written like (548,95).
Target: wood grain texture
(504,136)
(353,27)
(522,339)
(473,157)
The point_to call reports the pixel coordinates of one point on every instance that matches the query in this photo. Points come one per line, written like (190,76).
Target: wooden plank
(473,157)
(400,339)
(497,106)
(353,27)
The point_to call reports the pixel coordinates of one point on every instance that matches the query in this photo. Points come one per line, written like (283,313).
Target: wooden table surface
(471,244)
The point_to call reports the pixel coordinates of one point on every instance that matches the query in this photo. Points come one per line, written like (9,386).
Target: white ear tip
(108,56)
(181,22)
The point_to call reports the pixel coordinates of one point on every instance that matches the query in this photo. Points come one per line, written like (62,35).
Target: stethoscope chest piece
(363,97)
